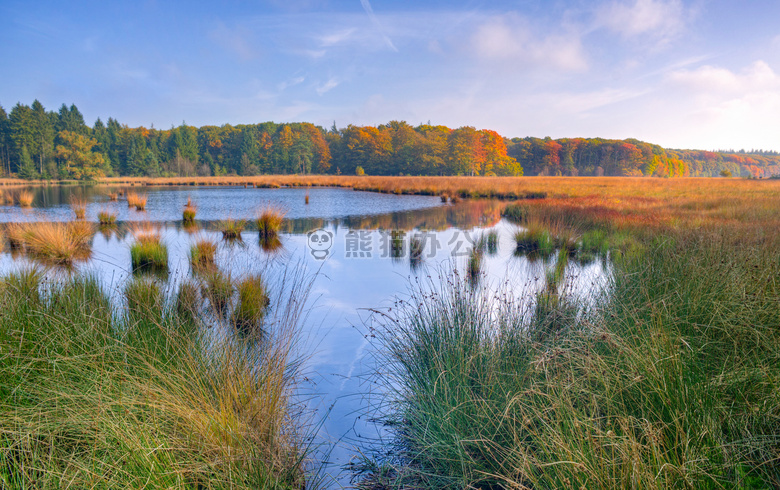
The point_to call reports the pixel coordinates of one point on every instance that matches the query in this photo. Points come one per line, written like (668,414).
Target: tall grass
(96,399)
(535,238)
(106,217)
(671,382)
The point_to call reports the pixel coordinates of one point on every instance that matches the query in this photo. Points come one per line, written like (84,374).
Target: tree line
(36,143)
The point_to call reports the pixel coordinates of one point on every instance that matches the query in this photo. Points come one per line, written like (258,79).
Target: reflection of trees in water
(464,215)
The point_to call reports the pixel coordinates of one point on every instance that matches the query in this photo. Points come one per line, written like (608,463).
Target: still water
(355,246)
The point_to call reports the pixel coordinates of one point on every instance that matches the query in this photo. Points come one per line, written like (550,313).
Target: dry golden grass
(24,198)
(79,207)
(188,215)
(137,200)
(58,243)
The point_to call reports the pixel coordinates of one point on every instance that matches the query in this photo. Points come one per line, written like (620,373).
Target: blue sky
(699,74)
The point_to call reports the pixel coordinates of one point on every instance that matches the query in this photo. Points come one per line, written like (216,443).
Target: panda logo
(319,242)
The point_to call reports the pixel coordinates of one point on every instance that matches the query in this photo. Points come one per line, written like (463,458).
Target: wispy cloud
(375,21)
(659,20)
(511,38)
(327,86)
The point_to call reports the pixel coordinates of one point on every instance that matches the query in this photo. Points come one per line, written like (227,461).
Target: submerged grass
(98,399)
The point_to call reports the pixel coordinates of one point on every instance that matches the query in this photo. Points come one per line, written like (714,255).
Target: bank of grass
(671,379)
(96,398)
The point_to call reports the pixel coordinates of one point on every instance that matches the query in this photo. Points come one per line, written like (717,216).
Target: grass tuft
(148,252)
(252,304)
(25,198)
(188,215)
(231,229)
(269,222)
(203,254)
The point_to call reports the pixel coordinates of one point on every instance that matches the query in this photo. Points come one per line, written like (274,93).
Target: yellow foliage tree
(81,163)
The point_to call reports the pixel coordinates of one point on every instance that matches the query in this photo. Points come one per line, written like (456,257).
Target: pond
(356,246)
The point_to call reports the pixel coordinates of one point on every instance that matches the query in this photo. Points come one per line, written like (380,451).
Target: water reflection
(371,258)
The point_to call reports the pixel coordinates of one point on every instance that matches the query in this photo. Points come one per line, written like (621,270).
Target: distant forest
(36,143)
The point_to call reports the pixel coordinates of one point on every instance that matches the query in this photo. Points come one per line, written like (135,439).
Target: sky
(689,74)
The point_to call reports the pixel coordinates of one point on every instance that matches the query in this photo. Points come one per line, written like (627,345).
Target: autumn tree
(79,161)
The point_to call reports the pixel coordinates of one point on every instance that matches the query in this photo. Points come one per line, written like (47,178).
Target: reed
(148,252)
(203,254)
(79,207)
(231,229)
(25,198)
(269,222)
(188,215)
(306,198)
(113,196)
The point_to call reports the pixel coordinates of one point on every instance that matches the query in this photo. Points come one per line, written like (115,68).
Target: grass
(669,381)
(99,399)
(79,207)
(25,198)
(106,218)
(203,254)
(148,252)
(516,213)
(253,302)
(136,200)
(535,239)
(491,242)
(188,215)
(231,228)
(269,222)
(60,243)
(217,287)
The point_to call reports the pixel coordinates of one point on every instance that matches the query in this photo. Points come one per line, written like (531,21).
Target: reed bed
(668,379)
(56,243)
(100,399)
